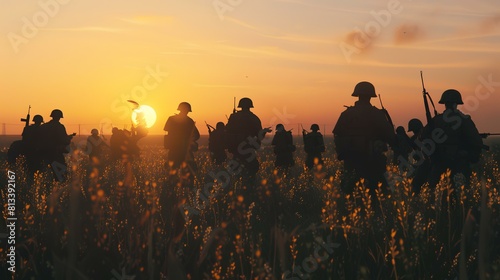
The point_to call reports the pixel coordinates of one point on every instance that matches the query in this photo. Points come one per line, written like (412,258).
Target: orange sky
(298,60)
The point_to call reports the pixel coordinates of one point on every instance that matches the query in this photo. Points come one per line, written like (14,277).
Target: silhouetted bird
(457,140)
(361,136)
(245,133)
(55,143)
(283,148)
(217,143)
(314,145)
(181,138)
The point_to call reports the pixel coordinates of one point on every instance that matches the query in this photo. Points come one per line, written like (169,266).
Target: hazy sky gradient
(88,57)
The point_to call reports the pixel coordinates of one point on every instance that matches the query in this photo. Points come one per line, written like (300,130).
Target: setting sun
(144,114)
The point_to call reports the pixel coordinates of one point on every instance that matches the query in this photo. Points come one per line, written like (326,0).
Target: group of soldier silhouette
(449,141)
(43,144)
(362,136)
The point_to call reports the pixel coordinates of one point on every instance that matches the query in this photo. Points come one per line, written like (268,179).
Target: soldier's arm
(230,124)
(385,129)
(196,133)
(168,124)
(63,136)
(472,138)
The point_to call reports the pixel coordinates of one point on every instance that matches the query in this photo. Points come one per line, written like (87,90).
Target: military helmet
(56,114)
(280,127)
(184,105)
(415,125)
(314,127)
(245,102)
(364,89)
(220,125)
(451,96)
(400,130)
(37,119)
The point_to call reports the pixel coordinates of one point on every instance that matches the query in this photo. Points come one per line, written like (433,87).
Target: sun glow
(144,115)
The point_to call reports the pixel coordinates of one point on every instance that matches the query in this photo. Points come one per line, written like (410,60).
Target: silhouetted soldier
(118,143)
(95,145)
(283,148)
(55,143)
(403,146)
(457,141)
(31,143)
(422,162)
(314,145)
(181,138)
(415,126)
(361,136)
(245,134)
(217,143)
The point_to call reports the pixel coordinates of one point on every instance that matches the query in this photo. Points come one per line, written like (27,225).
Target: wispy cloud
(490,24)
(148,20)
(436,65)
(86,29)
(179,53)
(328,8)
(243,24)
(285,37)
(219,86)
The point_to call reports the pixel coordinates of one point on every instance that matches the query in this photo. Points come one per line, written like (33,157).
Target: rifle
(27,119)
(210,128)
(485,135)
(304,132)
(234,104)
(385,112)
(426,103)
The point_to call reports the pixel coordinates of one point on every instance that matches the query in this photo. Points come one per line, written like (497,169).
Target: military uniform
(217,144)
(55,143)
(31,142)
(314,145)
(181,138)
(283,148)
(457,141)
(243,129)
(422,167)
(361,136)
(94,147)
(119,143)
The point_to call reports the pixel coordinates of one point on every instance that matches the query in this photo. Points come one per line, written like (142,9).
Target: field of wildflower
(140,220)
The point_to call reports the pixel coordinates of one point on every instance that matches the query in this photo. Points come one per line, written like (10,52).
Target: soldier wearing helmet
(422,170)
(181,137)
(361,136)
(217,143)
(403,146)
(31,143)
(245,133)
(283,148)
(415,126)
(314,145)
(457,140)
(55,143)
(95,145)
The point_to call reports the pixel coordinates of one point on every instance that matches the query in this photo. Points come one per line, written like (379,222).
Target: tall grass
(138,218)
